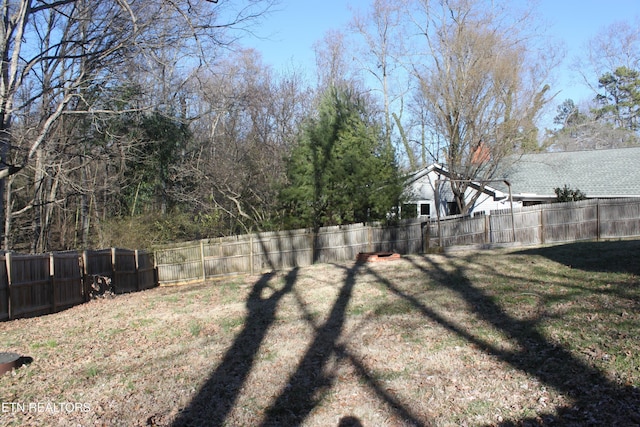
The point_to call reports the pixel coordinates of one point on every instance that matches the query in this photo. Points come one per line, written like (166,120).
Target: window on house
(425,209)
(452,207)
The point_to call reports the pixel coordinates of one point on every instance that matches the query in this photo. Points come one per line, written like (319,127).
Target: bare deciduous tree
(614,46)
(334,61)
(381,31)
(55,54)
(248,120)
(483,85)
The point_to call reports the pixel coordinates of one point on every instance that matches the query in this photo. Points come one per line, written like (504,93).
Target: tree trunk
(85,210)
(37,239)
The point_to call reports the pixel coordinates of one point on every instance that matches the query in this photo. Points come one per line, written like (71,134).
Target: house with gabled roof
(428,194)
(532,179)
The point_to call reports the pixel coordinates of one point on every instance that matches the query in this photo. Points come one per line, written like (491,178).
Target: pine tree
(342,170)
(621,99)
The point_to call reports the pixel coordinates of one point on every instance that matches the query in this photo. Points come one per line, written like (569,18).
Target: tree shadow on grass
(218,395)
(312,379)
(594,256)
(598,401)
(307,385)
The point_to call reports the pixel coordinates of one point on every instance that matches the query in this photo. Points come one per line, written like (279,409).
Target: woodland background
(135,124)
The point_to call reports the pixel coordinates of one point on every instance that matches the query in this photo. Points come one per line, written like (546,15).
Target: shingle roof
(599,173)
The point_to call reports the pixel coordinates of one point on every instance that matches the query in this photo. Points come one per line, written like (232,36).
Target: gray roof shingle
(599,173)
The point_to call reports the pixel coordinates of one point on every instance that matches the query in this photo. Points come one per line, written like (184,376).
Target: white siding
(429,186)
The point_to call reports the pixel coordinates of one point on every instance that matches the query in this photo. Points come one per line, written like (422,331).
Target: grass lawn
(534,336)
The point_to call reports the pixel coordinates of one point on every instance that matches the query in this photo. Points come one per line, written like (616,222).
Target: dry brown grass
(537,337)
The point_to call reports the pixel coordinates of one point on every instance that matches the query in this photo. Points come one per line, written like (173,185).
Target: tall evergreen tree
(620,102)
(342,170)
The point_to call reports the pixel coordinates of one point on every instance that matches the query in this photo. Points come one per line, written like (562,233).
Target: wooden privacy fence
(250,253)
(551,223)
(32,285)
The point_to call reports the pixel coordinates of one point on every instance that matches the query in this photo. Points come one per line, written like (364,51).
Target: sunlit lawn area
(504,337)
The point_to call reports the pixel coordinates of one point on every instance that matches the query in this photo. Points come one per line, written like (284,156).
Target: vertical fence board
(4,289)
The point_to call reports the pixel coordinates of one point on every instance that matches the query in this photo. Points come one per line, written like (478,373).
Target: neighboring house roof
(441,170)
(597,173)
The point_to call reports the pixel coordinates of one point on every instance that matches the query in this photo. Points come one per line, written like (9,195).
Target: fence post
(85,275)
(52,282)
(114,270)
(251,254)
(135,253)
(204,273)
(425,236)
(487,230)
(598,219)
(7,260)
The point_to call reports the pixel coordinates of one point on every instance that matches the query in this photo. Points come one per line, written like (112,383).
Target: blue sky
(298,24)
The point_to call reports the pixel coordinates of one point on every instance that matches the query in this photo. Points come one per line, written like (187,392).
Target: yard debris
(101,287)
(377,256)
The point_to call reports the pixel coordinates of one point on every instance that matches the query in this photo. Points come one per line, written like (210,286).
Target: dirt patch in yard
(501,337)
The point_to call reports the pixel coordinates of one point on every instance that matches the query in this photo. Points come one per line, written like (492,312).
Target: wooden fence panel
(382,239)
(30,285)
(466,232)
(227,256)
(172,273)
(67,281)
(4,290)
(98,262)
(500,228)
(526,226)
(146,270)
(341,243)
(619,218)
(570,222)
(404,238)
(279,250)
(457,231)
(216,267)
(125,273)
(551,223)
(178,264)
